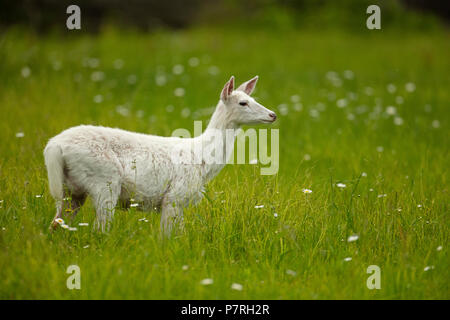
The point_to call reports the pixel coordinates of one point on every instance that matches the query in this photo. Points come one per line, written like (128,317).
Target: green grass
(226,238)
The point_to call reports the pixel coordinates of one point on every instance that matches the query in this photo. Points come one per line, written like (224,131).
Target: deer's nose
(273,115)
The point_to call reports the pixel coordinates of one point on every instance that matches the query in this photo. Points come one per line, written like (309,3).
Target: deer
(114,166)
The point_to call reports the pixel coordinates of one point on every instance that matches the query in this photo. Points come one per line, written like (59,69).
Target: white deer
(112,165)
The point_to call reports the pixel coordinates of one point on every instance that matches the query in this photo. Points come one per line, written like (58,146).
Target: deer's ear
(248,86)
(227,89)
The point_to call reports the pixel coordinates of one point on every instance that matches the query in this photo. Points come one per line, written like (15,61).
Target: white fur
(113,164)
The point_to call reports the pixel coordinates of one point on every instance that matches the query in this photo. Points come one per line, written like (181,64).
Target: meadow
(363,123)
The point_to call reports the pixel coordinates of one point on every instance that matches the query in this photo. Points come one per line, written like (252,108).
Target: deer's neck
(219,136)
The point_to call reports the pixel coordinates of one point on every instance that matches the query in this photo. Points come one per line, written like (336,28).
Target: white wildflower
(118,64)
(391,88)
(207,282)
(237,287)
(178,69)
(25,72)
(410,87)
(398,121)
(291,272)
(194,61)
(179,92)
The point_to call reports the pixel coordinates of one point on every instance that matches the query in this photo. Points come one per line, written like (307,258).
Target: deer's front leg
(171,218)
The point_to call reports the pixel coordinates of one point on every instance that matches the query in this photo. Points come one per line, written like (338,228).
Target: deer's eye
(243,103)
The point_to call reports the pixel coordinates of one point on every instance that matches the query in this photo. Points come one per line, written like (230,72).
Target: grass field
(366,110)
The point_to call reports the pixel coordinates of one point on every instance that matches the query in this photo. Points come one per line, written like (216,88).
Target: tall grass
(392,161)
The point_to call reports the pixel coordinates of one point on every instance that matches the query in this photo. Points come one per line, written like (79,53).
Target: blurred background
(367,109)
(147,15)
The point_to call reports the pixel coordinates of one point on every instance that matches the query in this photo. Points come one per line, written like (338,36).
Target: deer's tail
(55,169)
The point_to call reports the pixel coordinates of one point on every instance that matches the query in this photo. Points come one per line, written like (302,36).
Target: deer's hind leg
(76,203)
(68,207)
(105,196)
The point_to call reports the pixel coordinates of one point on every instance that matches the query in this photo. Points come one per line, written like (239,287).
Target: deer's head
(241,108)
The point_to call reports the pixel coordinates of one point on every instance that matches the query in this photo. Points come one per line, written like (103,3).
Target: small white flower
(132,79)
(26,72)
(398,121)
(364,174)
(60,221)
(341,103)
(185,112)
(380,149)
(306,191)
(118,64)
(38,196)
(98,98)
(410,87)
(83,224)
(185,267)
(291,272)
(194,61)
(20,135)
(178,69)
(259,206)
(348,74)
(419,206)
(275,215)
(390,110)
(439,248)
(213,70)
(353,238)
(160,80)
(295,98)
(97,76)
(341,185)
(86,246)
(382,195)
(237,287)
(435,124)
(64,226)
(306,157)
(348,259)
(283,108)
(207,282)
(134,205)
(298,106)
(391,88)
(368,91)
(427,268)
(72,229)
